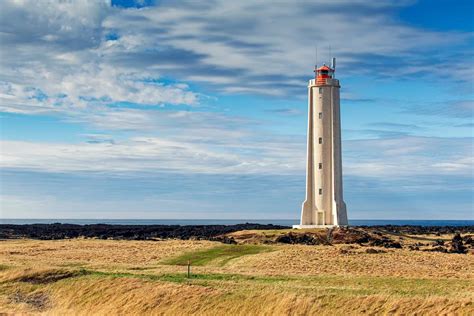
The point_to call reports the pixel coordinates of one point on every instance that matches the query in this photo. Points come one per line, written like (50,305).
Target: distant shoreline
(192,222)
(205,232)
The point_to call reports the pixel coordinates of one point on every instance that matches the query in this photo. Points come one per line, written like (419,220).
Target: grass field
(218,254)
(109,277)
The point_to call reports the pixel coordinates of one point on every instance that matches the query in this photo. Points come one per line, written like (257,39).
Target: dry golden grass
(315,260)
(106,295)
(93,252)
(106,277)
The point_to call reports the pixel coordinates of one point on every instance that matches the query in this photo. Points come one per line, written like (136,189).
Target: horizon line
(229,219)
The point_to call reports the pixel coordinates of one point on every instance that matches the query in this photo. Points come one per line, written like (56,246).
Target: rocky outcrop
(372,250)
(129,232)
(457,244)
(304,239)
(421,230)
(374,236)
(385,242)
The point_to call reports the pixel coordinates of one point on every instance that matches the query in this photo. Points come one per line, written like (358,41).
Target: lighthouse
(324,204)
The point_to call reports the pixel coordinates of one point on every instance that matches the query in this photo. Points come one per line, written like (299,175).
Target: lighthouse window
(320,166)
(320,140)
(320,115)
(320,90)
(320,191)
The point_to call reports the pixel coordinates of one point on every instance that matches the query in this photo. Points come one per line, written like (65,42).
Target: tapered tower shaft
(324,204)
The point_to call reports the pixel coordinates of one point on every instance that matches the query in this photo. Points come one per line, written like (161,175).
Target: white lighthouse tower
(324,205)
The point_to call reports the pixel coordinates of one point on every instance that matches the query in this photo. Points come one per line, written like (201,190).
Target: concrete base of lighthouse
(313,226)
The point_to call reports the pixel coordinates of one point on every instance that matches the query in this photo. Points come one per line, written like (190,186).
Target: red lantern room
(322,73)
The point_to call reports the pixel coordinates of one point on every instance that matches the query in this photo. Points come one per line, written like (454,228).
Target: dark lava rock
(413,247)
(346,235)
(385,242)
(372,250)
(420,230)
(127,232)
(468,240)
(346,250)
(285,239)
(293,238)
(436,249)
(372,236)
(457,244)
(438,242)
(224,239)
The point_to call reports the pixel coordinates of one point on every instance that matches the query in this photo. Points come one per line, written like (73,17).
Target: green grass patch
(323,284)
(194,277)
(72,264)
(312,285)
(140,268)
(4,267)
(219,255)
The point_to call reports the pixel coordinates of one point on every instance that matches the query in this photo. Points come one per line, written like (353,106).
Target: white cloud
(248,47)
(144,155)
(409,157)
(89,86)
(398,158)
(62,56)
(61,61)
(53,61)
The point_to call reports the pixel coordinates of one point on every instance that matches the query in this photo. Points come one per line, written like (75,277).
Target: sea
(283,222)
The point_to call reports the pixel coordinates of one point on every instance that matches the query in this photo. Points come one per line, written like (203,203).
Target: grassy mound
(46,276)
(219,255)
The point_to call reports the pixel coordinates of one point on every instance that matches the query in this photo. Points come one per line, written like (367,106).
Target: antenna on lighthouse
(333,63)
(316,63)
(329,53)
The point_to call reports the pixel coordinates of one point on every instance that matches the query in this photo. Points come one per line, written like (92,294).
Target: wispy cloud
(453,108)
(399,126)
(287,111)
(468,125)
(142,154)
(406,157)
(73,54)
(400,158)
(239,47)
(389,178)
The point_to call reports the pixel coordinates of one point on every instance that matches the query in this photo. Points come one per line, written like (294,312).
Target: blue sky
(185,109)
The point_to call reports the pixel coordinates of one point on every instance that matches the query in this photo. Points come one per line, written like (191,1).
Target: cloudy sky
(197,109)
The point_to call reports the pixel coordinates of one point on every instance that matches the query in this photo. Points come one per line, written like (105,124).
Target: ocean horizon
(184,222)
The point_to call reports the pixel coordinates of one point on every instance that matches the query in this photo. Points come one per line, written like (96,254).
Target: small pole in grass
(189,269)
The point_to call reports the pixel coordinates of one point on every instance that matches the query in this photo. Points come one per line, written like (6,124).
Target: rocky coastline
(126,232)
(452,239)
